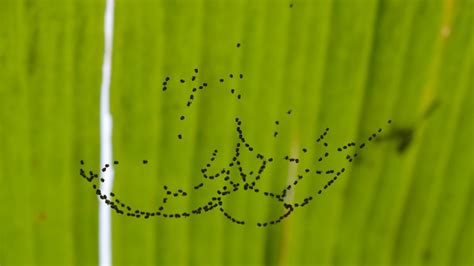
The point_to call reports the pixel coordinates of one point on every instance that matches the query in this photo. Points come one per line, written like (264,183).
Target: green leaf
(345,65)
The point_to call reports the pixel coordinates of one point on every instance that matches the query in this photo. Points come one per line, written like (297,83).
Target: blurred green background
(347,65)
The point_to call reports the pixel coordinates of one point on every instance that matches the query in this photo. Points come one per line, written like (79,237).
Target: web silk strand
(105,223)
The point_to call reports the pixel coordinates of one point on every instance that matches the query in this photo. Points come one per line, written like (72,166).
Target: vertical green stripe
(381,91)
(17,233)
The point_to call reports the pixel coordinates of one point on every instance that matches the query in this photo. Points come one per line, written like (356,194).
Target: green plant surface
(347,65)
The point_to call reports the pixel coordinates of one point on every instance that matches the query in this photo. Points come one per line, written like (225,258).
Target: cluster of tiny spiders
(247,178)
(248,182)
